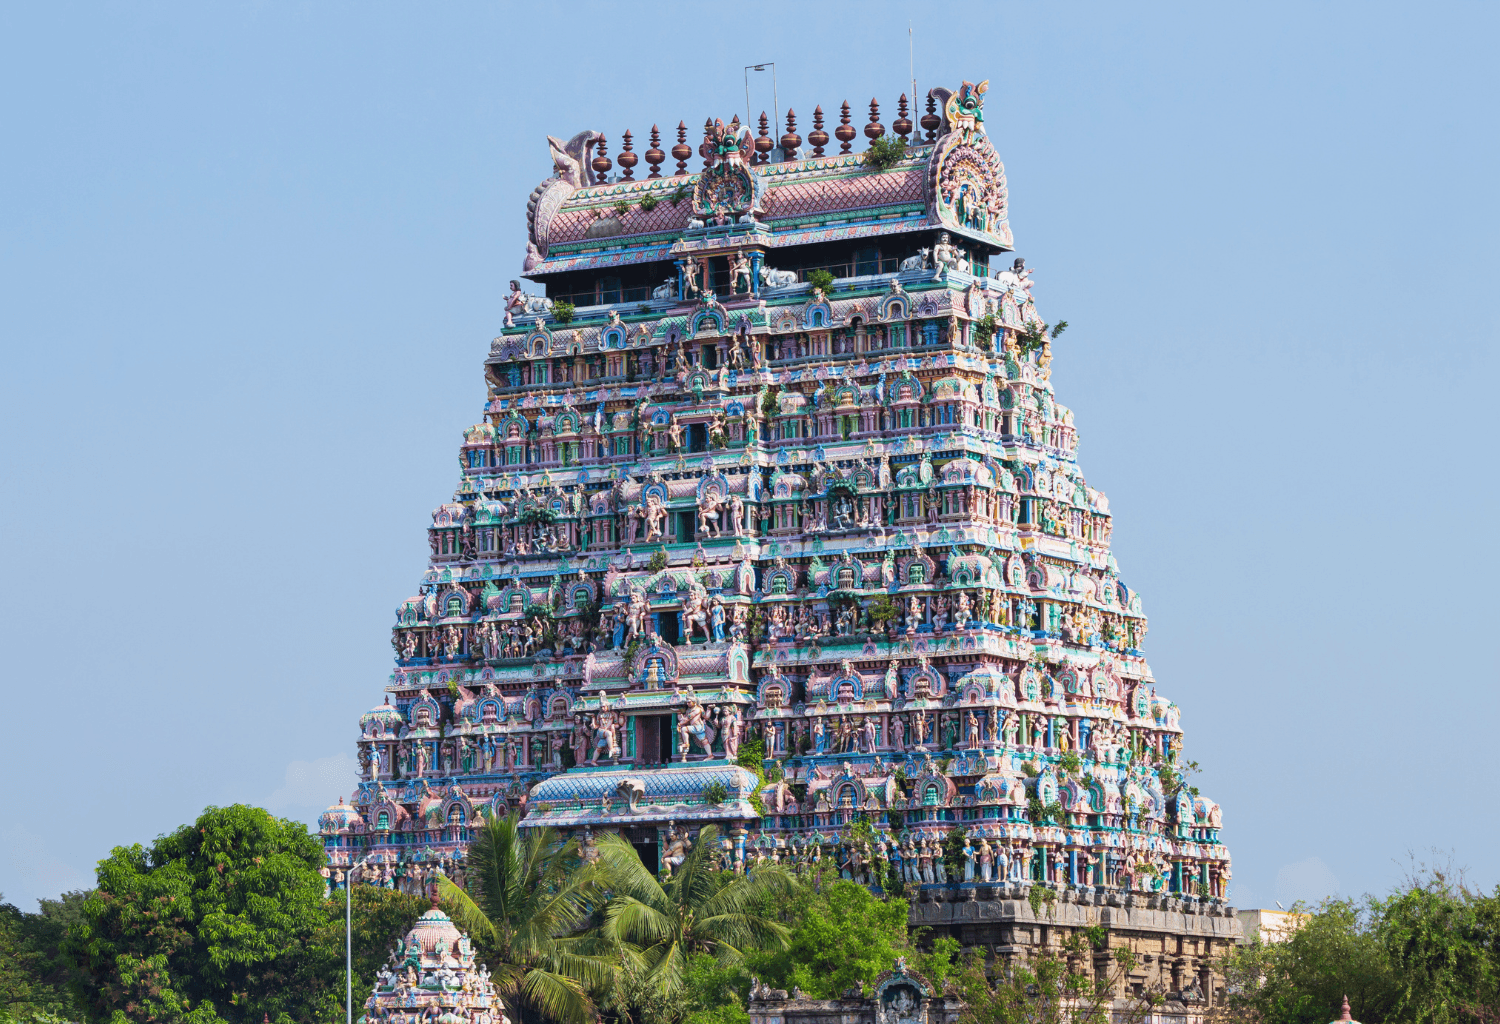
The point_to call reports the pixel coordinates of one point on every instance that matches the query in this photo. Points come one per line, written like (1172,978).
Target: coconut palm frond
(620,868)
(468,915)
(745,930)
(630,920)
(559,998)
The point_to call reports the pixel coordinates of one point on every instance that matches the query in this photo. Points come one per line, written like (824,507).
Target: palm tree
(657,925)
(529,895)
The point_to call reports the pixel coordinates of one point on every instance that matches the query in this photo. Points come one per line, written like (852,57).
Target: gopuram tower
(776,467)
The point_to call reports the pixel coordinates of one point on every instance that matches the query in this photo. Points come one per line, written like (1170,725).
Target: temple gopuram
(775,467)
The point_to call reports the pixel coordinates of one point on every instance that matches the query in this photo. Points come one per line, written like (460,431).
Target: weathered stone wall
(1175,941)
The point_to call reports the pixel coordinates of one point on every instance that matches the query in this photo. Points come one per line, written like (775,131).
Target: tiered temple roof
(777,460)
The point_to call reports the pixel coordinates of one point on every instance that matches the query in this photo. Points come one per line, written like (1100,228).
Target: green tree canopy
(35,974)
(1427,954)
(214,920)
(840,938)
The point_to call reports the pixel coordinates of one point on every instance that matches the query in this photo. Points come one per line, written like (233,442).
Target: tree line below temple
(230,919)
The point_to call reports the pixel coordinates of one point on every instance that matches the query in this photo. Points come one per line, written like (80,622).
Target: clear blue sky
(251,256)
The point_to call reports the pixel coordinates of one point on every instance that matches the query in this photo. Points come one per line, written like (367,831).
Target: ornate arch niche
(656,666)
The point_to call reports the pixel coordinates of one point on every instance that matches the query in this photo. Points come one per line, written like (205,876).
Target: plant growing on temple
(820,279)
(953,851)
(885,152)
(628,658)
(528,897)
(1034,335)
(220,913)
(1070,763)
(882,610)
(983,331)
(622,206)
(657,925)
(752,757)
(1174,777)
(562,311)
(649,203)
(658,561)
(538,514)
(715,793)
(1041,895)
(683,191)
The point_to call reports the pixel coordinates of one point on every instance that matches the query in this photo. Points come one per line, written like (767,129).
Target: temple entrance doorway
(653,739)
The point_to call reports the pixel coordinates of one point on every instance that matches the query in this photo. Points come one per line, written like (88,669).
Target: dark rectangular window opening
(667,627)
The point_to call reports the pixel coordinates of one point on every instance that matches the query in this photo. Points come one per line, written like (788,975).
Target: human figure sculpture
(919,729)
(635,615)
(972,737)
(913,614)
(968,853)
(737,515)
(819,736)
(986,861)
(674,434)
(948,256)
(939,613)
(739,271)
(676,851)
(716,619)
(695,614)
(961,611)
(898,734)
(708,514)
(693,728)
(730,725)
(656,518)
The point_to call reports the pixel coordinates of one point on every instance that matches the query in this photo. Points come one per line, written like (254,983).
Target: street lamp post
(349,940)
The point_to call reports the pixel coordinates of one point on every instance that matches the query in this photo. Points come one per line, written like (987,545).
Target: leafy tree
(529,896)
(712,993)
(35,975)
(841,938)
(213,919)
(658,925)
(1426,954)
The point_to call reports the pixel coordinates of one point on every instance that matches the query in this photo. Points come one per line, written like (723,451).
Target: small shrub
(683,191)
(622,206)
(885,152)
(983,331)
(562,311)
(715,793)
(648,203)
(820,279)
(658,560)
